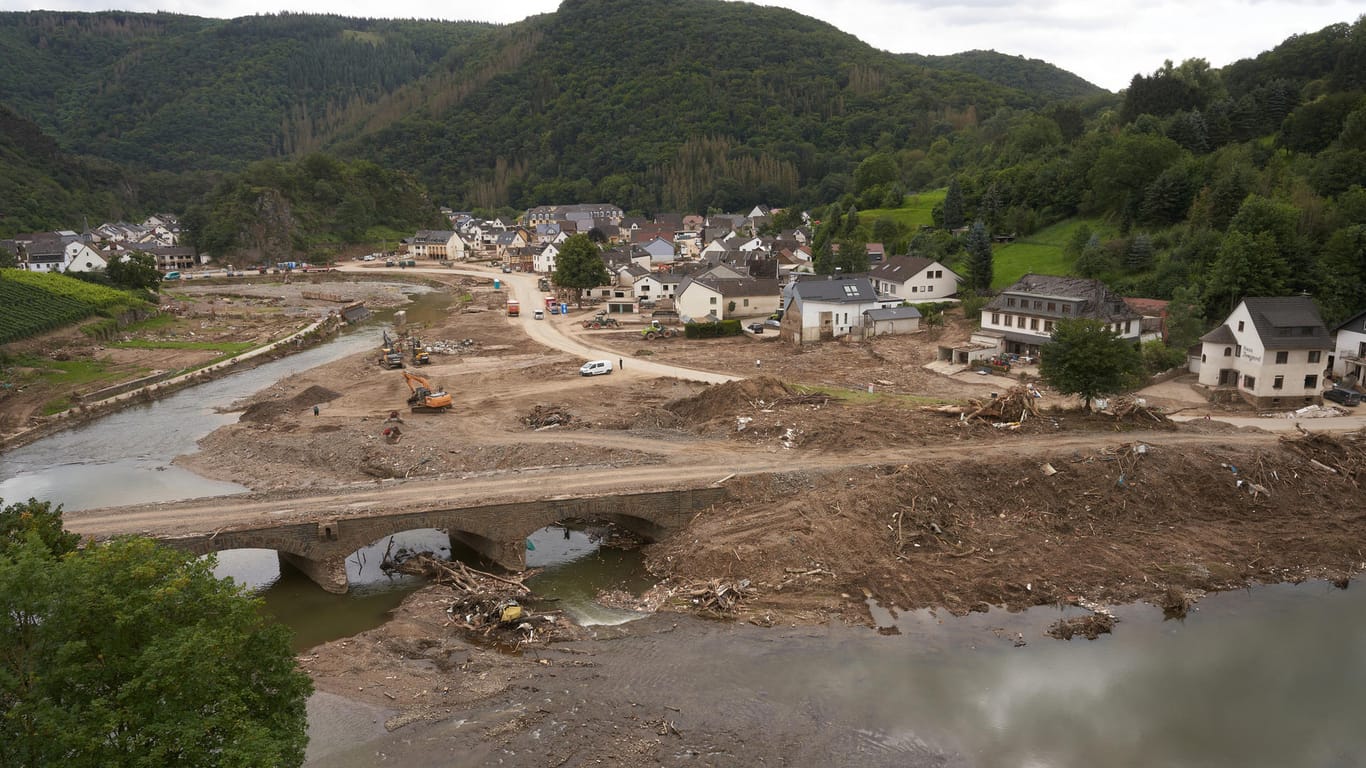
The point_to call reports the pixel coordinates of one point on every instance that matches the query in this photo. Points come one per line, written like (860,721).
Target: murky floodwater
(125,458)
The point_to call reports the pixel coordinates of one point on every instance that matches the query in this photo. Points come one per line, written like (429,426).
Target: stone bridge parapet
(319,547)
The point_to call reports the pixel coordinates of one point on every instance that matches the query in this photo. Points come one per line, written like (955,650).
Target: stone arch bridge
(319,547)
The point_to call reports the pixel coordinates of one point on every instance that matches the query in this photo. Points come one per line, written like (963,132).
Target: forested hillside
(1204,185)
(653,104)
(172,92)
(43,188)
(1033,76)
(678,104)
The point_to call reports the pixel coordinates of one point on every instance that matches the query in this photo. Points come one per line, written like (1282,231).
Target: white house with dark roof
(711,297)
(1023,315)
(823,308)
(437,245)
(1271,351)
(915,279)
(655,286)
(1349,356)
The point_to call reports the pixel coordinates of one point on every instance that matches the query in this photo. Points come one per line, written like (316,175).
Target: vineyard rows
(32,303)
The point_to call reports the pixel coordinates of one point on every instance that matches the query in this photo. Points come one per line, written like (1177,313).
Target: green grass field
(919,209)
(1040,253)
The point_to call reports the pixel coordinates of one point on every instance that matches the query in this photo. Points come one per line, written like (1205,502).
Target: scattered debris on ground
(546,416)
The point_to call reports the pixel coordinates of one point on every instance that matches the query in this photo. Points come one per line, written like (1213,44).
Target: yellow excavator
(425,399)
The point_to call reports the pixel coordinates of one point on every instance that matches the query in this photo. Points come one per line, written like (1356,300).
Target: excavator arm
(424,397)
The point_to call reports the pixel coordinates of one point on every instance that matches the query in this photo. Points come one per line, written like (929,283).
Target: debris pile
(716,597)
(449,347)
(488,607)
(1011,409)
(726,400)
(1135,409)
(1089,627)
(546,416)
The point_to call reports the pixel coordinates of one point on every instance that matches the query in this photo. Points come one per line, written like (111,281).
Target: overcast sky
(1104,41)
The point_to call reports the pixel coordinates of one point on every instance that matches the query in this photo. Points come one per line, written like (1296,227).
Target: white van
(596,368)
(538,314)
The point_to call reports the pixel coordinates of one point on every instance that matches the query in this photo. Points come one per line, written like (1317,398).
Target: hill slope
(1028,75)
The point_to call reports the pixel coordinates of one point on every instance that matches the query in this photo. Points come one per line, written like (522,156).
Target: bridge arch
(496,531)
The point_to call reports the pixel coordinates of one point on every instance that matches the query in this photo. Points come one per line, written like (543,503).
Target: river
(1267,677)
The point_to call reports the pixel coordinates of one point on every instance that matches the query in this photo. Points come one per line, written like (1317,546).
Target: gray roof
(1221,335)
(892,313)
(843,290)
(1356,322)
(1288,322)
(899,269)
(1095,299)
(729,288)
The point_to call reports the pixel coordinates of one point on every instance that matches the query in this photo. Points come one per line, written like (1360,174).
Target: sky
(1104,41)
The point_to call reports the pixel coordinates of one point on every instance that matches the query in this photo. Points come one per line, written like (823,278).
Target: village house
(80,257)
(653,287)
(710,297)
(915,279)
(607,218)
(1349,359)
(509,247)
(823,308)
(1021,318)
(661,250)
(544,260)
(890,321)
(1270,352)
(437,245)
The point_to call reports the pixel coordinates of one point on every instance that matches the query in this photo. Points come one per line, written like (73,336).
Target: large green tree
(136,271)
(1086,358)
(981,264)
(133,654)
(579,266)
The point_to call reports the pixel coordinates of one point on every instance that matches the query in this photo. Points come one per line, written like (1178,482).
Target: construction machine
(420,355)
(389,355)
(657,330)
(425,399)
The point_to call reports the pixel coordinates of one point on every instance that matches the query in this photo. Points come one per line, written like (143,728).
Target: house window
(1038,304)
(1282,357)
(746,302)
(1237,350)
(1052,306)
(915,289)
(1067,309)
(1249,382)
(1010,302)
(1033,323)
(1311,381)
(1228,352)
(1048,326)
(1314,355)
(995,318)
(1019,321)
(1128,326)
(713,300)
(1278,382)
(1240,325)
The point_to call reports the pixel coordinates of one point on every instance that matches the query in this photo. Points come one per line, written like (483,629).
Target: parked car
(773,323)
(507,270)
(1343,397)
(755,328)
(596,368)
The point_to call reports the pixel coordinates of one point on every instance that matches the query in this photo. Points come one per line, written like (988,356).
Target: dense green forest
(655,104)
(168,92)
(1196,183)
(1201,185)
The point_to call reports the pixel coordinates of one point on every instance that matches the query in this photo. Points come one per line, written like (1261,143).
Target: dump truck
(514,308)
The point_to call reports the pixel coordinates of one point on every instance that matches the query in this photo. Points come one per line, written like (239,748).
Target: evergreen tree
(953,206)
(981,264)
(1246,265)
(1140,256)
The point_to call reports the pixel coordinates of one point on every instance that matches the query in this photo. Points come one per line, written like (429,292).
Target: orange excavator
(425,399)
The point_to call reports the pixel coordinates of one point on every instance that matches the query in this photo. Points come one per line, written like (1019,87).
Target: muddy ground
(1060,507)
